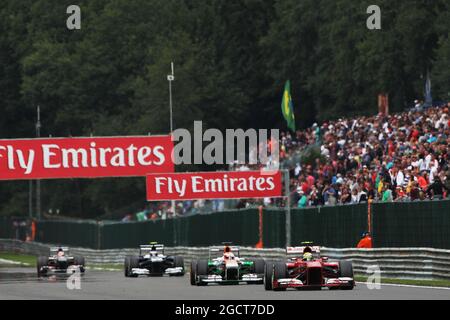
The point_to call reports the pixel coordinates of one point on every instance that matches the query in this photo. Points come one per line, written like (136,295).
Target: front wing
(298,284)
(53,270)
(247,278)
(168,271)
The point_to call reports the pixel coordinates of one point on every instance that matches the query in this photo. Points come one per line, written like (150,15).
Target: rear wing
(149,247)
(55,249)
(300,250)
(219,250)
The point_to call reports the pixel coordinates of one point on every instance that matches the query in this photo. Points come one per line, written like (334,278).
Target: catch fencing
(399,224)
(331,226)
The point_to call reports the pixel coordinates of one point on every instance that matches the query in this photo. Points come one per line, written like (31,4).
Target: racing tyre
(346,271)
(126,266)
(202,270)
(268,274)
(134,263)
(192,275)
(42,261)
(179,262)
(279,272)
(258,268)
(79,260)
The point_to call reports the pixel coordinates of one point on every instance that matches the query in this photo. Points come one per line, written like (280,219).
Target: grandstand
(399,157)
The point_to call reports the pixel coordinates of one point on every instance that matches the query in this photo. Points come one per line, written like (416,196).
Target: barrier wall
(13,227)
(412,224)
(410,263)
(337,227)
(199,230)
(408,224)
(74,233)
(6,230)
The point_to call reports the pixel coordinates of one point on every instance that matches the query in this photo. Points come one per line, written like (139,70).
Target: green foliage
(22,259)
(231,59)
(441,70)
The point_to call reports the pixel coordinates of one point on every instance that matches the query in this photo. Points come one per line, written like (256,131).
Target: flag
(287,107)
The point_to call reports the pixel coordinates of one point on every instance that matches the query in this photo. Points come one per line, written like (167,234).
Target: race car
(152,262)
(308,270)
(229,268)
(59,262)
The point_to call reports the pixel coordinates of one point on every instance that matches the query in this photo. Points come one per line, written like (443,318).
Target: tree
(440,69)
(231,58)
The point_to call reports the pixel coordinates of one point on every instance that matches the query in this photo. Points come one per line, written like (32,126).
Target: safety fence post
(288,207)
(260,245)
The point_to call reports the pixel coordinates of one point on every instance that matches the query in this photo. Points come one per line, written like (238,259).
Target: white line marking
(102,269)
(7,261)
(408,286)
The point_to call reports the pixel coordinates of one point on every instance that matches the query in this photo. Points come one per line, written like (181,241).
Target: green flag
(287,107)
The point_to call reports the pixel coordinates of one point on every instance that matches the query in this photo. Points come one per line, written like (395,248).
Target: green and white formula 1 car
(229,268)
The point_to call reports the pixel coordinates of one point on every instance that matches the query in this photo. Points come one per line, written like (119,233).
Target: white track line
(102,269)
(12,262)
(408,286)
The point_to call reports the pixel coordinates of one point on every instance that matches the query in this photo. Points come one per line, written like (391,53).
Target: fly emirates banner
(52,158)
(214,185)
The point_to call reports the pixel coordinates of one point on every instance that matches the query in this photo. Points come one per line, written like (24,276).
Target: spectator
(400,194)
(414,193)
(355,196)
(302,203)
(397,157)
(362,196)
(422,180)
(127,218)
(365,242)
(346,197)
(387,194)
(436,189)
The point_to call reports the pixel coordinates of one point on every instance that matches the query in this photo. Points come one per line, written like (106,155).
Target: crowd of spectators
(399,157)
(163,209)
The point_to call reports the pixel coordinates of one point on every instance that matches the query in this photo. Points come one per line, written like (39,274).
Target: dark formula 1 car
(59,262)
(229,268)
(152,262)
(308,270)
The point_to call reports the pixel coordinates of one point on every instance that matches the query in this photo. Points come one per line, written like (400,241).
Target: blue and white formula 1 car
(152,262)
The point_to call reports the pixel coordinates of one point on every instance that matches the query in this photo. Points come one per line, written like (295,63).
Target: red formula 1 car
(308,270)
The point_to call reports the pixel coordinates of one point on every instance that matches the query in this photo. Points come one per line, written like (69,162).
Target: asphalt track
(22,283)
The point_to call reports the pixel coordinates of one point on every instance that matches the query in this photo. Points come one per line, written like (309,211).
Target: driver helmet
(307,256)
(60,252)
(227,254)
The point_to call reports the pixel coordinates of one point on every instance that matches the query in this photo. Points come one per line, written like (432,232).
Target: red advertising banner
(52,158)
(214,185)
